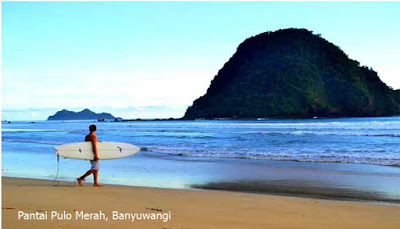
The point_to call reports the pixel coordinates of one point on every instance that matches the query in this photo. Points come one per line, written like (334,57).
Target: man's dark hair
(92,128)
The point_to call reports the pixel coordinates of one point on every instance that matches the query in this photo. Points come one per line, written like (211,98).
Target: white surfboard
(106,150)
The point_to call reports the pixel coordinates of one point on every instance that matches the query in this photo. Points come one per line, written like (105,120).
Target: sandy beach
(187,208)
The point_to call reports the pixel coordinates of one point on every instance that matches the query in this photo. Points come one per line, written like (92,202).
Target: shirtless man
(91,137)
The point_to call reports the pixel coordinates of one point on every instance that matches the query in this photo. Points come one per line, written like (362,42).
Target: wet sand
(300,189)
(188,208)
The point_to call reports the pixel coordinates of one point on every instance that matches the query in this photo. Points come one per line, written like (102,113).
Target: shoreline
(188,208)
(334,181)
(206,189)
(254,188)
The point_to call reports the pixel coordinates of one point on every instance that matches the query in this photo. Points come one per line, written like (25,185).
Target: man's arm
(94,145)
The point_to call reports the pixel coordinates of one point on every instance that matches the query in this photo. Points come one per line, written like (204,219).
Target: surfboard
(106,150)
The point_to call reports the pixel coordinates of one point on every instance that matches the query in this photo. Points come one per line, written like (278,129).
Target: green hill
(85,114)
(293,73)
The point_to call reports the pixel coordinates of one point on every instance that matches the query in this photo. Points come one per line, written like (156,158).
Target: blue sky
(148,60)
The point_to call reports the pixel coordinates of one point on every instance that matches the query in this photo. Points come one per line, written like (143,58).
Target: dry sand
(189,208)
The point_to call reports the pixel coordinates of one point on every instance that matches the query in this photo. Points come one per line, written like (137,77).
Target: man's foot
(79,181)
(98,185)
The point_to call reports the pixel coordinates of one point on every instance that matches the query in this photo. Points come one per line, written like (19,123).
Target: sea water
(177,154)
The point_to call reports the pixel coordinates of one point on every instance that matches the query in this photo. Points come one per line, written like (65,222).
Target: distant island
(85,114)
(293,73)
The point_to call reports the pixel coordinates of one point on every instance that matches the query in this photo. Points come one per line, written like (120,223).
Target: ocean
(359,154)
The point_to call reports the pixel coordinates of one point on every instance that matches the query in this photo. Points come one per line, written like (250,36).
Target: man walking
(95,165)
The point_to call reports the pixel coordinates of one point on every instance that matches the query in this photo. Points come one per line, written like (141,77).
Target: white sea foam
(358,140)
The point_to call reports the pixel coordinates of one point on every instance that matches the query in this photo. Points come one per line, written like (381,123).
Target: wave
(335,133)
(29,130)
(245,134)
(189,136)
(318,125)
(34,141)
(383,161)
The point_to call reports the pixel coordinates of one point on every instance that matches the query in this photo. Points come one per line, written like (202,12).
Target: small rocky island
(85,114)
(294,73)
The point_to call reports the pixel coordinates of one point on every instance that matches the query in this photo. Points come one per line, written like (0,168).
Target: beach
(355,158)
(187,208)
(208,174)
(191,115)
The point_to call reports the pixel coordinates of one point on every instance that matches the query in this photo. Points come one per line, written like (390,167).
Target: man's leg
(95,178)
(80,179)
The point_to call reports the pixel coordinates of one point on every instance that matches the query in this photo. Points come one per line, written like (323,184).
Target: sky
(153,59)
